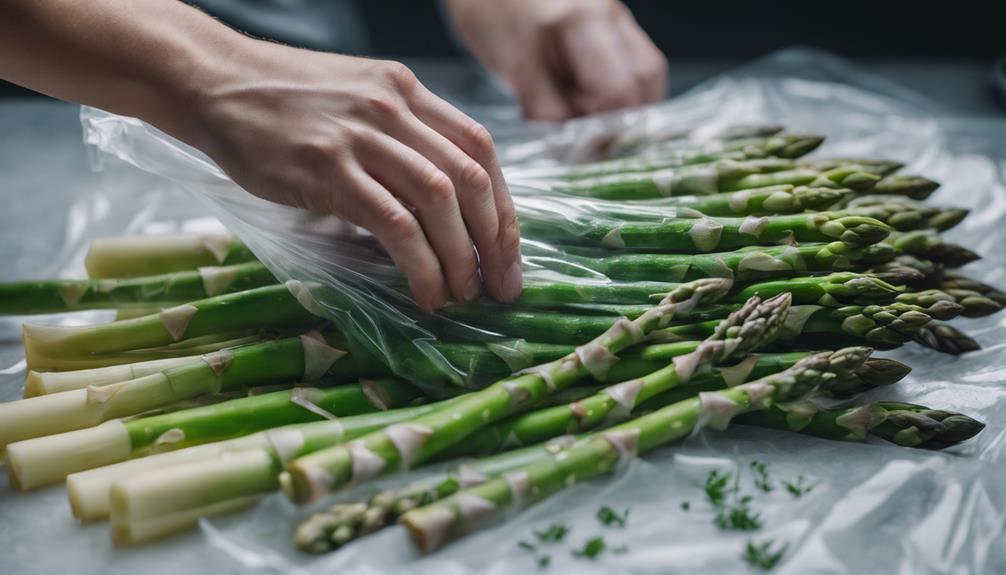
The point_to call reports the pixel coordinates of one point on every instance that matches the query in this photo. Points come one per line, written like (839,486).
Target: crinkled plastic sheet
(873,508)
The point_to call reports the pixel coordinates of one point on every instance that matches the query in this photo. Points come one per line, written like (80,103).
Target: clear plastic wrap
(873,508)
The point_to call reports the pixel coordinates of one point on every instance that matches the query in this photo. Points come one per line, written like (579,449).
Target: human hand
(564,58)
(364,140)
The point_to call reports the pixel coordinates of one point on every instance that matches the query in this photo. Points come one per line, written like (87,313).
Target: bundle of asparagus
(704,282)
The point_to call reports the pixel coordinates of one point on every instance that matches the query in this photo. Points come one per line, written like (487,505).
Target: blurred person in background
(359,138)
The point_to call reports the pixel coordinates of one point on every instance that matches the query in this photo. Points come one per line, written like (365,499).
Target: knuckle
(397,220)
(438,185)
(474,177)
(400,76)
(381,106)
(323,154)
(479,139)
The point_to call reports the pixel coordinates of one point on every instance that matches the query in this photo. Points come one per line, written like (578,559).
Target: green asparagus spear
(691,235)
(55,296)
(44,460)
(343,522)
(904,424)
(434,525)
(315,475)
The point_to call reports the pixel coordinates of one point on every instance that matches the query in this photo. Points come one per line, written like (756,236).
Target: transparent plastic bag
(872,508)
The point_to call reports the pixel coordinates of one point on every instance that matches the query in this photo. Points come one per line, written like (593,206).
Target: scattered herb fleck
(526,545)
(798,487)
(733,510)
(738,516)
(591,549)
(544,561)
(716,487)
(762,556)
(761,477)
(609,516)
(686,505)
(553,533)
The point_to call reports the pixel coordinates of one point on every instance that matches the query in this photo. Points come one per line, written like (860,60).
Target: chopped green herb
(761,478)
(554,533)
(526,545)
(544,561)
(591,549)
(609,516)
(739,516)
(762,555)
(686,505)
(733,510)
(716,487)
(798,487)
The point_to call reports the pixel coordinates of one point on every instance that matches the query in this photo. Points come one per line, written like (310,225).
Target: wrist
(196,64)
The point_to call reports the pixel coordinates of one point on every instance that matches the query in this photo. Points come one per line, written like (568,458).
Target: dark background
(738,31)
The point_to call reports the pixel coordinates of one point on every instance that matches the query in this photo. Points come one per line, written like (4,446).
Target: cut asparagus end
(41,461)
(152,505)
(46,415)
(45,383)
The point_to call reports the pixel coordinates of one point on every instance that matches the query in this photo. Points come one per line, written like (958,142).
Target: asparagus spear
(434,525)
(699,179)
(344,522)
(304,358)
(54,296)
(931,246)
(273,307)
(772,200)
(904,424)
(873,166)
(44,460)
(953,281)
(315,475)
(884,325)
(914,187)
(906,215)
(945,338)
(744,264)
(783,146)
(691,235)
(854,320)
(704,179)
(44,383)
(132,256)
(749,328)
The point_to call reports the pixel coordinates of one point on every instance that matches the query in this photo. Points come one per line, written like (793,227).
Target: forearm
(142,58)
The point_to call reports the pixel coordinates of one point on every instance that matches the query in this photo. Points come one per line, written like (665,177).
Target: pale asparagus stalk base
(47,382)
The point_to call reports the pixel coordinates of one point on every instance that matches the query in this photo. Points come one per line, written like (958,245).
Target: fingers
(649,66)
(497,239)
(431,194)
(541,95)
(374,208)
(592,51)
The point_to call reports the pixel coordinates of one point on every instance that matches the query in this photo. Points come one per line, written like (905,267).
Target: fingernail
(473,289)
(512,282)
